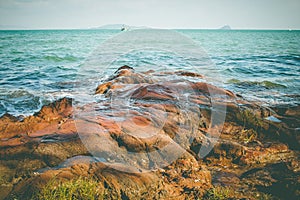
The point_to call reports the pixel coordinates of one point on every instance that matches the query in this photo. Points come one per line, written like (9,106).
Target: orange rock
(103,88)
(211,90)
(157,123)
(51,119)
(153,92)
(191,74)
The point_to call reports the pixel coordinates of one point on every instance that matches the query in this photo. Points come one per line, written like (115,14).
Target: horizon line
(96,28)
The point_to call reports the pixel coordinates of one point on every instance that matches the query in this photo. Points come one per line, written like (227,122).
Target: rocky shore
(255,156)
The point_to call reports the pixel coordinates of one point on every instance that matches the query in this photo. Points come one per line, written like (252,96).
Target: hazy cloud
(272,14)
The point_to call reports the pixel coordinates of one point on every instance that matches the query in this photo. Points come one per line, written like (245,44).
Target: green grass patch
(81,188)
(219,193)
(225,193)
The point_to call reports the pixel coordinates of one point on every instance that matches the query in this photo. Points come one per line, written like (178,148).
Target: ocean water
(39,66)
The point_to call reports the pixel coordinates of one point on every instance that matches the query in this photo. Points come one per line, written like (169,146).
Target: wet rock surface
(154,148)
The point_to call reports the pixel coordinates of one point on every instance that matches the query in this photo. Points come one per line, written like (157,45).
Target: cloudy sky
(240,14)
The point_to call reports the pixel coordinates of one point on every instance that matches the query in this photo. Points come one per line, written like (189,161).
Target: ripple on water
(66,58)
(19,102)
(264,84)
(43,63)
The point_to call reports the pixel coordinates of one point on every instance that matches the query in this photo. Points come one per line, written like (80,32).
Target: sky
(207,14)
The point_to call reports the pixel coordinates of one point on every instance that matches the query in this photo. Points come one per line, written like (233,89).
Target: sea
(40,66)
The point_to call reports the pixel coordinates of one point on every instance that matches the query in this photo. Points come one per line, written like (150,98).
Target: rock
(54,118)
(124,67)
(191,74)
(158,126)
(153,92)
(44,139)
(270,155)
(103,88)
(178,180)
(58,109)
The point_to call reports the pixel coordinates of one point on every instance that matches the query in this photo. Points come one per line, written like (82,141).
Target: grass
(224,193)
(248,135)
(81,188)
(90,189)
(264,196)
(219,193)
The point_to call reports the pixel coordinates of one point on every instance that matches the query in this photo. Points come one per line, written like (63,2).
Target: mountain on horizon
(226,27)
(118,26)
(111,26)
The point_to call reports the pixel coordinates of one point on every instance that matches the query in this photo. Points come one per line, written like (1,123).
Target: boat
(123,28)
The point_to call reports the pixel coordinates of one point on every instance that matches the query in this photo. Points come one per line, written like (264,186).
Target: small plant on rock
(81,188)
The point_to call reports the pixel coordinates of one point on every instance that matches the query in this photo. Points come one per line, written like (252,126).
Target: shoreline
(262,69)
(249,148)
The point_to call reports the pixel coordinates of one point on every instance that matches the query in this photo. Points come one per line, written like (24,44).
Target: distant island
(118,27)
(128,27)
(226,27)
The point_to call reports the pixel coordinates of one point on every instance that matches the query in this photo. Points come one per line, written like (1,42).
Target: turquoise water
(39,66)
